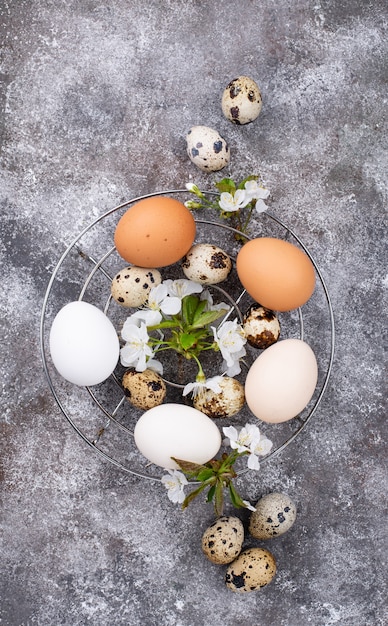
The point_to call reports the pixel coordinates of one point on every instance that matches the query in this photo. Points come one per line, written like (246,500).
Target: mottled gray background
(96,98)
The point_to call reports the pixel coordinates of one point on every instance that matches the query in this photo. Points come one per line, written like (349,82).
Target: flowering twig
(234,197)
(217,475)
(182,321)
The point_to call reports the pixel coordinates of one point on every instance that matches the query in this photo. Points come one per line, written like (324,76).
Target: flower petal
(156,366)
(150,317)
(249,506)
(170,305)
(253,462)
(260,206)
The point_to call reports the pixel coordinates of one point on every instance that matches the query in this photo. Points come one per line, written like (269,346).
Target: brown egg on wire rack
(155,232)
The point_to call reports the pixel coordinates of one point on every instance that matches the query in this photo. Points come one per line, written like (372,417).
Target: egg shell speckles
(253,569)
(241,101)
(222,541)
(275,514)
(261,326)
(206,264)
(207,149)
(131,286)
(144,390)
(224,404)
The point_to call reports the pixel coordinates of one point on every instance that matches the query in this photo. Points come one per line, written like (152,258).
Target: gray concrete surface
(96,99)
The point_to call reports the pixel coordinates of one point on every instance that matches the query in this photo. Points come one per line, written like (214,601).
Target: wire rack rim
(73,244)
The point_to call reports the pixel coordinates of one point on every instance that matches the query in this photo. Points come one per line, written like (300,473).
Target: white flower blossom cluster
(242,197)
(249,439)
(165,300)
(199,386)
(230,340)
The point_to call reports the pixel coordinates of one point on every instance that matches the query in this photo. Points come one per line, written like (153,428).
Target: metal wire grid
(97,267)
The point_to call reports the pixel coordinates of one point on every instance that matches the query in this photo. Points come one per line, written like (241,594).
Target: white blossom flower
(249,506)
(198,387)
(231,203)
(158,302)
(178,289)
(230,341)
(255,191)
(159,298)
(249,439)
(262,446)
(258,193)
(175,482)
(241,441)
(136,349)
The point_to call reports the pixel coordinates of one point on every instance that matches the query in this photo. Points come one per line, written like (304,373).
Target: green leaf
(235,497)
(187,340)
(219,498)
(206,318)
(192,495)
(189,306)
(210,493)
(188,467)
(166,324)
(205,474)
(229,460)
(226,184)
(198,311)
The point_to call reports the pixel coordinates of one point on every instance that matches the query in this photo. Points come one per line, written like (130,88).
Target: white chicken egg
(281,381)
(84,345)
(176,430)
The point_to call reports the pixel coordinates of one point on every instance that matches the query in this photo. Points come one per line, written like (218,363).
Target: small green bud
(189,204)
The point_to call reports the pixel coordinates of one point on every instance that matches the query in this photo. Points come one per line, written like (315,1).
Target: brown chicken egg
(155,232)
(276,273)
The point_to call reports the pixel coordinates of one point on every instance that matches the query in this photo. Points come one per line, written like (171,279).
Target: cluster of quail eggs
(241,104)
(252,568)
(206,264)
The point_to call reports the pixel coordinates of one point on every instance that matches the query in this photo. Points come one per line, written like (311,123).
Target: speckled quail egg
(131,286)
(206,264)
(261,326)
(254,568)
(222,541)
(241,101)
(225,403)
(275,514)
(144,390)
(207,149)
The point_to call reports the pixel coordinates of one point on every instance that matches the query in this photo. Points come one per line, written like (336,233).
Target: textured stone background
(95,101)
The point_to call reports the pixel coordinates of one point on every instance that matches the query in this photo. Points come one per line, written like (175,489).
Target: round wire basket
(102,415)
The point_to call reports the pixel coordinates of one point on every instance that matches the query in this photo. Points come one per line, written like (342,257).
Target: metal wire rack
(101,415)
